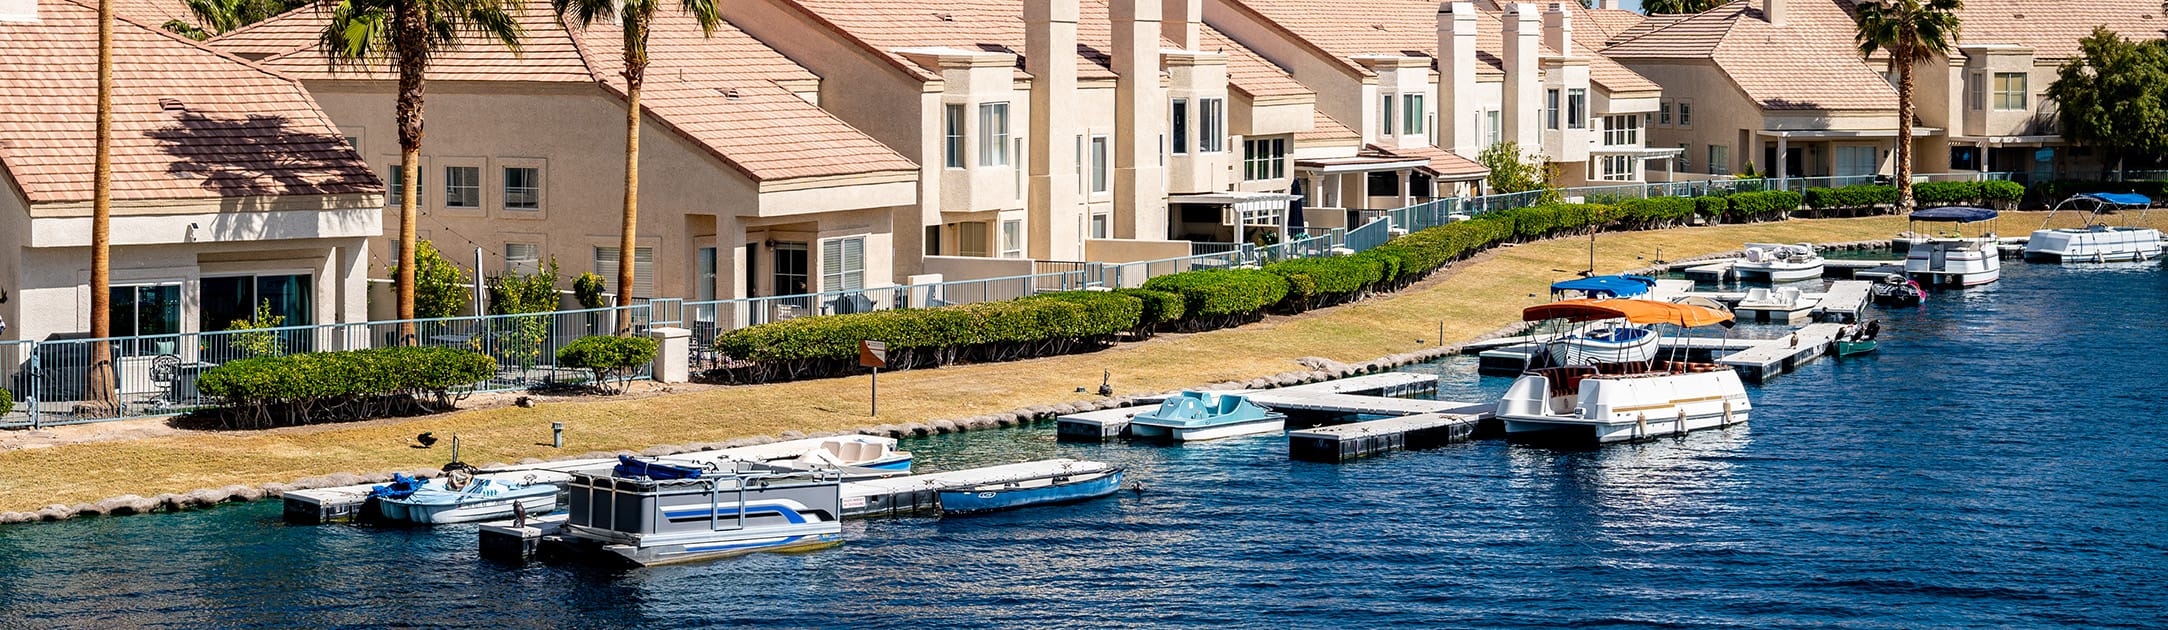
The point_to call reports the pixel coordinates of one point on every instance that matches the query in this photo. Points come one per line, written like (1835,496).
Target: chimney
(1558,29)
(18,10)
(1140,201)
(1457,102)
(1607,5)
(1524,86)
(1774,11)
(1050,57)
(1181,20)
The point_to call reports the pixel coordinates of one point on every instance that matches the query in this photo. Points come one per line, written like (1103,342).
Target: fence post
(37,388)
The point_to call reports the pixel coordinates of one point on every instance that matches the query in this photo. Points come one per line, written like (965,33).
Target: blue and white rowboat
(1077,481)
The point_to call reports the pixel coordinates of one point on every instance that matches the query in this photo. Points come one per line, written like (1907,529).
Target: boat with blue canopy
(647,512)
(2096,241)
(1193,415)
(1953,259)
(1616,286)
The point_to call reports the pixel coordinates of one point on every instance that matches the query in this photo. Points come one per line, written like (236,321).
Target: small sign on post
(874,354)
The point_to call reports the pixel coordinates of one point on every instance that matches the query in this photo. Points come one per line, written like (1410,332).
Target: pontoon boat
(2097,241)
(1617,402)
(650,513)
(1954,261)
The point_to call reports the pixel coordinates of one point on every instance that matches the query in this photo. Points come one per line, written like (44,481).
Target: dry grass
(1479,296)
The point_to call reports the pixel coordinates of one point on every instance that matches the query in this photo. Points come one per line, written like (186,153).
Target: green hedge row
(2056,191)
(1854,197)
(1654,212)
(343,385)
(1312,282)
(1159,307)
(1052,323)
(1761,206)
(1217,293)
(1989,193)
(610,358)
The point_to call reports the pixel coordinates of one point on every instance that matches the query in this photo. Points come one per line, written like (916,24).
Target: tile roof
(2053,27)
(1324,128)
(1818,69)
(1410,28)
(765,131)
(1248,71)
(154,13)
(233,129)
(1610,22)
(1445,163)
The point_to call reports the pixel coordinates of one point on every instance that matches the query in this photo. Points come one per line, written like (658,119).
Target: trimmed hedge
(610,358)
(1712,206)
(1159,307)
(1313,281)
(1987,193)
(1766,205)
(1856,197)
(353,384)
(1654,212)
(813,347)
(1223,293)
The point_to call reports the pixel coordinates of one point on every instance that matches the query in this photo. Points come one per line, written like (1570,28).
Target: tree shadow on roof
(261,155)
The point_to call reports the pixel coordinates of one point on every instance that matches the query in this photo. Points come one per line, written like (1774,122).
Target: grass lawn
(1472,298)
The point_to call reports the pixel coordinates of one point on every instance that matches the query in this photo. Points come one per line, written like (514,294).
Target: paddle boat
(1076,481)
(460,497)
(1954,261)
(1618,402)
(856,456)
(2096,242)
(650,513)
(1193,415)
(1896,290)
(1778,262)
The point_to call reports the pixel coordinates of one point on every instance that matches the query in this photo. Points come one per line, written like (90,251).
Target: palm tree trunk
(412,36)
(1903,58)
(102,386)
(628,232)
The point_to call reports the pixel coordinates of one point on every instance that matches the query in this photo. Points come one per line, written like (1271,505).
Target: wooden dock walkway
(1772,357)
(1347,395)
(1341,443)
(1845,302)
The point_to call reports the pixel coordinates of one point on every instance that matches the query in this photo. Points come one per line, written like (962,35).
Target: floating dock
(1348,442)
(1771,357)
(1845,301)
(1370,393)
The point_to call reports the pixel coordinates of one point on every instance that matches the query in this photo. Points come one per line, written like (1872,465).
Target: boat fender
(1727,412)
(1682,421)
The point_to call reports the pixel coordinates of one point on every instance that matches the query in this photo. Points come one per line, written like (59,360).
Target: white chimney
(1457,102)
(1140,200)
(1524,81)
(1774,10)
(1181,21)
(1558,29)
(18,10)
(1050,57)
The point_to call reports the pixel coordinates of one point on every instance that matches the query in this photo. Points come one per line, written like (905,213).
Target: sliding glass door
(229,302)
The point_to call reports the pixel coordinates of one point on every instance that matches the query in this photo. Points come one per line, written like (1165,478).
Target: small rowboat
(1076,482)
(1854,348)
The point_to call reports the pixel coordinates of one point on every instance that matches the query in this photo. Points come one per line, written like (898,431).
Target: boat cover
(1636,311)
(1954,214)
(2120,199)
(1606,286)
(627,466)
(401,487)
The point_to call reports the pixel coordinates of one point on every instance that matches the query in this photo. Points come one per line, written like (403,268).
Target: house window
(1975,90)
(952,136)
(1382,184)
(1550,109)
(843,264)
(1099,225)
(462,187)
(1577,109)
(1494,127)
(228,299)
(971,239)
(790,269)
(1080,183)
(1012,239)
(1099,164)
(1686,114)
(2010,91)
(522,188)
(1663,113)
(1178,120)
(1385,115)
(643,270)
(1211,125)
(1264,159)
(521,259)
(1686,158)
(933,240)
(144,310)
(1719,159)
(994,134)
(704,280)
(1411,113)
(1614,168)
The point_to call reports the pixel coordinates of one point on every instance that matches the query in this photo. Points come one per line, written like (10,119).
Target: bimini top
(1606,286)
(2119,199)
(1636,311)
(1954,214)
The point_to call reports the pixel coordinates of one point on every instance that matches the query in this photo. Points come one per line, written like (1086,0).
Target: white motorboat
(460,497)
(1778,262)
(1601,404)
(2097,242)
(1957,260)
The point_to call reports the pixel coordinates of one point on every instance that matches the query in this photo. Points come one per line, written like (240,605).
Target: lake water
(2000,462)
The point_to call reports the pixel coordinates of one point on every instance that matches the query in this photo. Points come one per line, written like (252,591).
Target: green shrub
(1334,278)
(353,384)
(1654,212)
(588,290)
(809,347)
(1764,205)
(1222,293)
(1159,307)
(7,402)
(1996,193)
(1857,197)
(1712,206)
(437,293)
(1104,313)
(612,359)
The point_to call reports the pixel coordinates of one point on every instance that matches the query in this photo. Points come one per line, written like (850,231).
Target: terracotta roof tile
(154,13)
(1818,69)
(1410,28)
(2052,28)
(1324,128)
(1249,72)
(1443,162)
(546,52)
(188,123)
(1610,22)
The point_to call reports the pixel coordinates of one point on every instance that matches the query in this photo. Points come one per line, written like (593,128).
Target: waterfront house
(231,189)
(748,188)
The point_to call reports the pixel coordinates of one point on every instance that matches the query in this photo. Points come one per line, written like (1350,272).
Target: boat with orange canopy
(1619,402)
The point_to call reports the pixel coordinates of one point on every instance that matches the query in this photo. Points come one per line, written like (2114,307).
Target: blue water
(1999,463)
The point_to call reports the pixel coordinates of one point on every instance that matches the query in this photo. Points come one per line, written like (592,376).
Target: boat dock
(1371,394)
(1771,357)
(890,496)
(1721,271)
(344,503)
(1347,442)
(1845,301)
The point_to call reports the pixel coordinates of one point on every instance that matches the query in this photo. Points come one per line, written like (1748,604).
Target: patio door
(1857,161)
(790,268)
(231,299)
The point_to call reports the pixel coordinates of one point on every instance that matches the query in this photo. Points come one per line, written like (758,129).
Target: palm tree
(103,387)
(635,16)
(1913,31)
(1661,7)
(409,32)
(216,17)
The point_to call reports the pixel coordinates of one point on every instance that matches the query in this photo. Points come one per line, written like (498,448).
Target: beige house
(1147,126)
(747,189)
(231,188)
